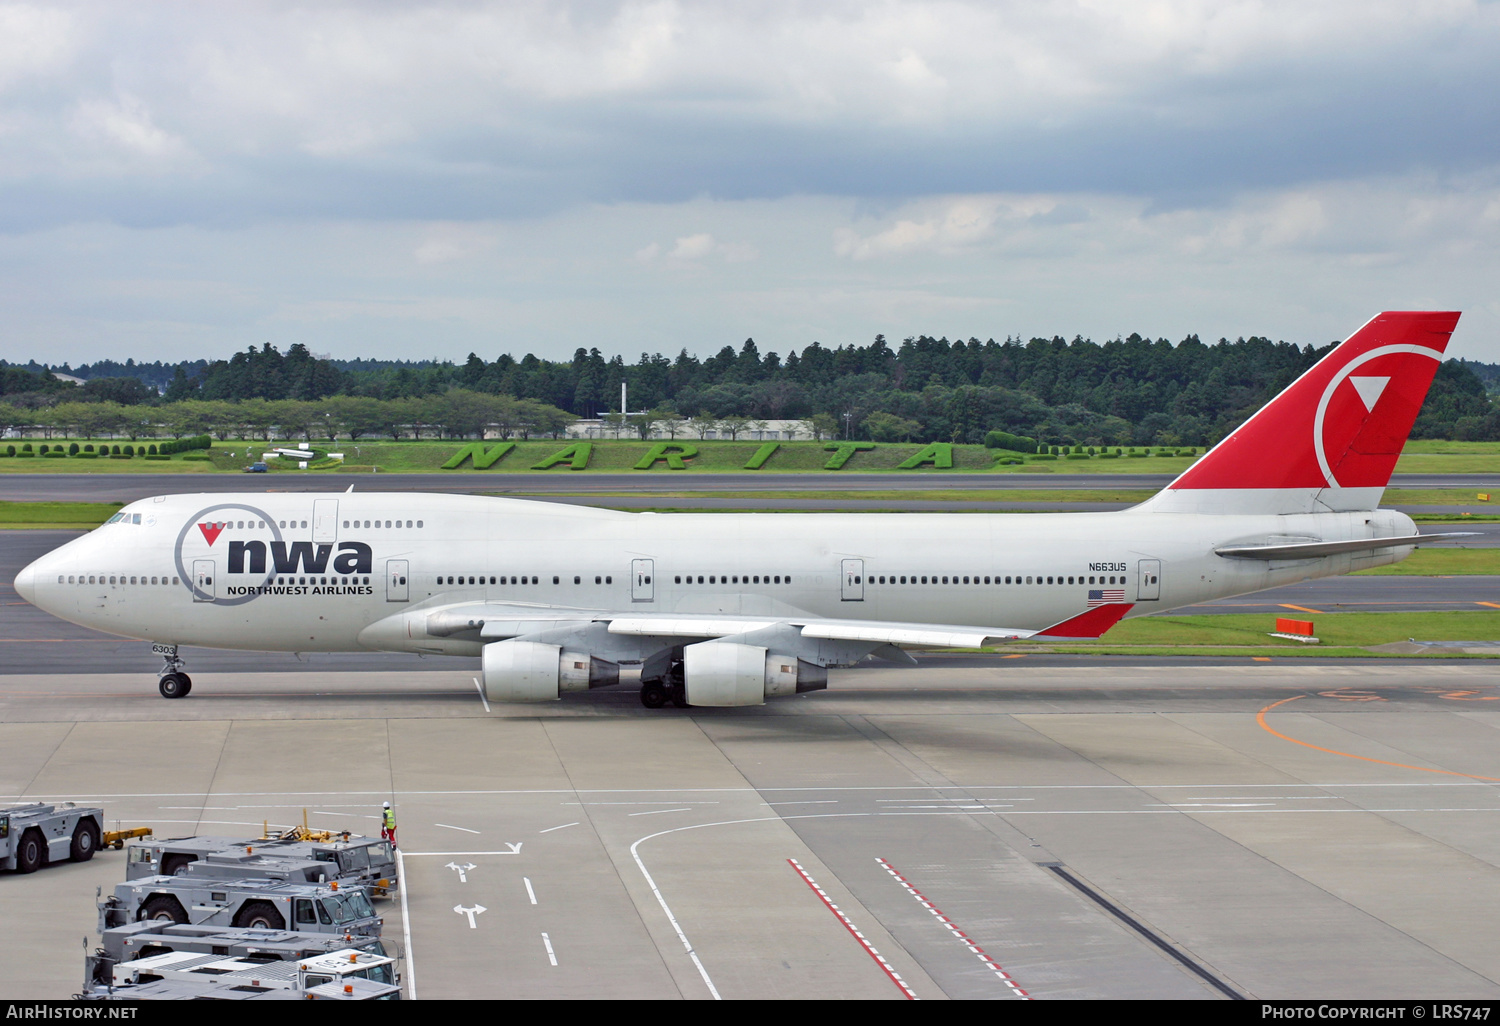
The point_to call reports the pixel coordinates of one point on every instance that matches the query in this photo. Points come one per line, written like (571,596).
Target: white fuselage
(365,558)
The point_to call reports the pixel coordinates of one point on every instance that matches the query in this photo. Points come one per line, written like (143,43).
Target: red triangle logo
(211,532)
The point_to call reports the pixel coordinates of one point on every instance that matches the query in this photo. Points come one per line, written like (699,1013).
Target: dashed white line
(482,697)
(869,948)
(551,957)
(953,929)
(449,826)
(529,892)
(564,826)
(657,812)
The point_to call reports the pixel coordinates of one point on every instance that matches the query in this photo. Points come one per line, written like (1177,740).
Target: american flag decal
(1101,596)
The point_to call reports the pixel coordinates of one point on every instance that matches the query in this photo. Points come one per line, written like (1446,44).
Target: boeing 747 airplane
(732,609)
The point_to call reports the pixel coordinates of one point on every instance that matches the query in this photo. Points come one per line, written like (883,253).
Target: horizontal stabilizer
(1316,550)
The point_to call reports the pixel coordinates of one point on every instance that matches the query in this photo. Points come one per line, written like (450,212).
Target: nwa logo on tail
(1342,424)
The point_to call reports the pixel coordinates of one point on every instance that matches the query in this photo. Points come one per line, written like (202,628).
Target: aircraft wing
(1090,624)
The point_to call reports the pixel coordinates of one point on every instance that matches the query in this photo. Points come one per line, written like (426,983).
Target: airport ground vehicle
(270,904)
(299,854)
(256,468)
(34,834)
(338,967)
(150,937)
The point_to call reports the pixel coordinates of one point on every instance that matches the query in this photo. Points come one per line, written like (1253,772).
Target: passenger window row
(377,523)
(319,580)
(733,579)
(254,525)
(523,579)
(114,579)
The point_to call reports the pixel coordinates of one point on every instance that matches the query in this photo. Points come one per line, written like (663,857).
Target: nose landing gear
(172,682)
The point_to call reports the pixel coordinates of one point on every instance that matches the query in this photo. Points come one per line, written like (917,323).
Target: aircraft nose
(26,583)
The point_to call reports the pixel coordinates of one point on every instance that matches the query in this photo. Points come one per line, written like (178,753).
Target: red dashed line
(879,959)
(953,929)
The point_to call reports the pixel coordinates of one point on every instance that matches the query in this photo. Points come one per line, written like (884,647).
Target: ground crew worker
(388,824)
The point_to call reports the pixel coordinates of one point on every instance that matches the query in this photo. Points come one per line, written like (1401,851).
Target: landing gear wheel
(678,697)
(32,852)
(85,841)
(175,685)
(653,695)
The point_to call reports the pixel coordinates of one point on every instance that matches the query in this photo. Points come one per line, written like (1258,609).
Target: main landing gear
(172,682)
(657,693)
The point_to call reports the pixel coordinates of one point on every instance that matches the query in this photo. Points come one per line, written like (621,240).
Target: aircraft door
(852,588)
(641,587)
(396,588)
(203,580)
(325,521)
(1149,589)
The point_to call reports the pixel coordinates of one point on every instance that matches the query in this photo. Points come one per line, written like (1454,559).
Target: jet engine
(530,671)
(724,673)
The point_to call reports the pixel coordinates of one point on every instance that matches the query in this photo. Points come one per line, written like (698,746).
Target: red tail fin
(1340,427)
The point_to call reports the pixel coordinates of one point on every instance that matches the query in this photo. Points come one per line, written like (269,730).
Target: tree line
(1127,391)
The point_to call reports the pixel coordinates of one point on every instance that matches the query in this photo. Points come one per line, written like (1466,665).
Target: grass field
(55,515)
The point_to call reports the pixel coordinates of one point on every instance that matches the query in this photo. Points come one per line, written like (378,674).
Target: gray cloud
(172,113)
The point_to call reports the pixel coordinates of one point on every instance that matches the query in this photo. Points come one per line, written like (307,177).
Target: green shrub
(1006,440)
(55,454)
(26,447)
(89,447)
(149,456)
(130,450)
(87,456)
(193,458)
(72,448)
(10,450)
(44,449)
(185,445)
(150,450)
(1078,456)
(25,453)
(1045,456)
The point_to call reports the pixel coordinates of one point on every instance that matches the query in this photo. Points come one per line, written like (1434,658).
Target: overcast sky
(409,180)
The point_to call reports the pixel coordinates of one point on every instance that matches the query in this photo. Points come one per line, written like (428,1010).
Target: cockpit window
(116,518)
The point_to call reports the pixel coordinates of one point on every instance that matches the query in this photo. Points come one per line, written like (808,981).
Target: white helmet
(388,805)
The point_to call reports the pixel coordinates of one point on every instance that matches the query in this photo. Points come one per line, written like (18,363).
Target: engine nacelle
(723,673)
(531,671)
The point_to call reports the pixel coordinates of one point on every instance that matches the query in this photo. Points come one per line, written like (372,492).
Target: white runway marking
(409,977)
(449,826)
(953,929)
(657,812)
(1006,788)
(461,854)
(551,957)
(471,912)
(529,892)
(482,698)
(562,827)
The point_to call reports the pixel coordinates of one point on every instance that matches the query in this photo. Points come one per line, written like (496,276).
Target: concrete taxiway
(971,828)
